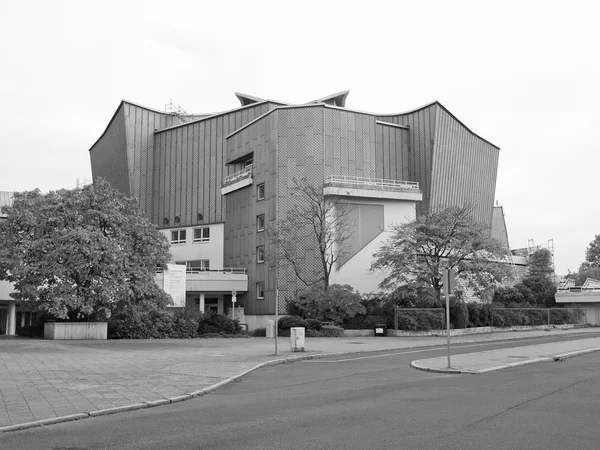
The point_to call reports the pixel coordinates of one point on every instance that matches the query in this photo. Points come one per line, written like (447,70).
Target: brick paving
(47,379)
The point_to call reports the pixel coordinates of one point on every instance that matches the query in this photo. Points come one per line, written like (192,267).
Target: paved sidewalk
(482,362)
(45,380)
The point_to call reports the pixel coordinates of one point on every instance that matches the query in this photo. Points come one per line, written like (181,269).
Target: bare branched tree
(318,228)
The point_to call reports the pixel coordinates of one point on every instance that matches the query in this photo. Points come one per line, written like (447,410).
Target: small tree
(336,304)
(447,238)
(540,263)
(316,229)
(81,253)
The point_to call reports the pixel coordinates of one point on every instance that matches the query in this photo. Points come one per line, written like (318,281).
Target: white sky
(524,75)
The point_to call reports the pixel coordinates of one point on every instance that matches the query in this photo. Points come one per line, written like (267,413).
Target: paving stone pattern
(47,379)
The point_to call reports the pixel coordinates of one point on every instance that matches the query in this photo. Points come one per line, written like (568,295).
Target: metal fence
(434,318)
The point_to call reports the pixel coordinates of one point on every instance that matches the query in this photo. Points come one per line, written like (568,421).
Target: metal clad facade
(243,207)
(464,169)
(192,172)
(109,154)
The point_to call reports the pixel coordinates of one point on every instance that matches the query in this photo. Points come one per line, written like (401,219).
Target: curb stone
(560,357)
(209,389)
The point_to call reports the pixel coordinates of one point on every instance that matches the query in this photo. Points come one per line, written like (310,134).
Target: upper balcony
(341,185)
(237,180)
(212,280)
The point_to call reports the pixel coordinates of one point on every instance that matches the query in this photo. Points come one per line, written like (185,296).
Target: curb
(209,389)
(560,357)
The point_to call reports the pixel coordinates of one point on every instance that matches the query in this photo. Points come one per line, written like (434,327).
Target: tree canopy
(540,263)
(82,253)
(445,238)
(315,230)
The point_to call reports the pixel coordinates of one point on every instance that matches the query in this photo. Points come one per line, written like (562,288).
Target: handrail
(228,270)
(245,172)
(381,182)
(579,289)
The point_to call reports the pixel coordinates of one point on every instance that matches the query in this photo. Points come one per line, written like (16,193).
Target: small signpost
(448,286)
(233,300)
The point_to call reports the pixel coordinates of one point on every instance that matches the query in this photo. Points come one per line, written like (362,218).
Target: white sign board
(174,283)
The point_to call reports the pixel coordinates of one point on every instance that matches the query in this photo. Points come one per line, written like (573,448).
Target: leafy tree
(542,290)
(82,253)
(337,304)
(592,253)
(540,263)
(447,238)
(316,229)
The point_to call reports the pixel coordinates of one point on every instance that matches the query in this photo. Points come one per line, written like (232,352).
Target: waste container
(380,330)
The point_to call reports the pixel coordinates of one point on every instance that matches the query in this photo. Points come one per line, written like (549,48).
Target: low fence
(425,319)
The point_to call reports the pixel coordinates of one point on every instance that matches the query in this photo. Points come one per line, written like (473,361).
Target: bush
(326,331)
(367,322)
(138,323)
(420,320)
(336,304)
(459,314)
(217,323)
(287,322)
(259,332)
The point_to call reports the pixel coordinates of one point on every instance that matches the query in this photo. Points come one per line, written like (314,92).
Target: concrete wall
(75,330)
(355,271)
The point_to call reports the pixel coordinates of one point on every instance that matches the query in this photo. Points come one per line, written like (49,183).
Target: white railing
(227,270)
(579,289)
(244,173)
(377,182)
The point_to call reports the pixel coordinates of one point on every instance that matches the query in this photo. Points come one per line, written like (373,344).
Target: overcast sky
(524,75)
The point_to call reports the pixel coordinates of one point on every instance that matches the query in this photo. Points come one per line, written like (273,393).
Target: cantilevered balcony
(212,280)
(237,180)
(346,186)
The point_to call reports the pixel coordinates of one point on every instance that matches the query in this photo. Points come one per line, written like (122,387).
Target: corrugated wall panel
(108,156)
(464,169)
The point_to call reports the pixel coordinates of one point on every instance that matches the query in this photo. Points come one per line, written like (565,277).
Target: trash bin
(380,330)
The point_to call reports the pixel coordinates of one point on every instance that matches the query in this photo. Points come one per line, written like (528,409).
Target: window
(249,162)
(260,253)
(260,191)
(178,237)
(202,234)
(260,290)
(199,265)
(260,222)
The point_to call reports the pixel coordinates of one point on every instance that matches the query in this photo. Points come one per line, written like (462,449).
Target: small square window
(178,237)
(260,191)
(260,290)
(260,222)
(260,254)
(202,234)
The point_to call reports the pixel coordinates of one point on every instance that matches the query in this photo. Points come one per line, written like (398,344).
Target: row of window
(260,250)
(201,234)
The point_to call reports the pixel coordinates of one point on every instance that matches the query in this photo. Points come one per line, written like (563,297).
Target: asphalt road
(369,401)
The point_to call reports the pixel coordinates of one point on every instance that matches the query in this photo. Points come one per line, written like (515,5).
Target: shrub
(459,314)
(326,331)
(217,323)
(365,322)
(287,322)
(336,304)
(259,332)
(313,324)
(420,320)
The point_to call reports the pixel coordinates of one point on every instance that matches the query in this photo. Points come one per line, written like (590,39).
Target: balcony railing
(239,175)
(579,289)
(362,182)
(227,270)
